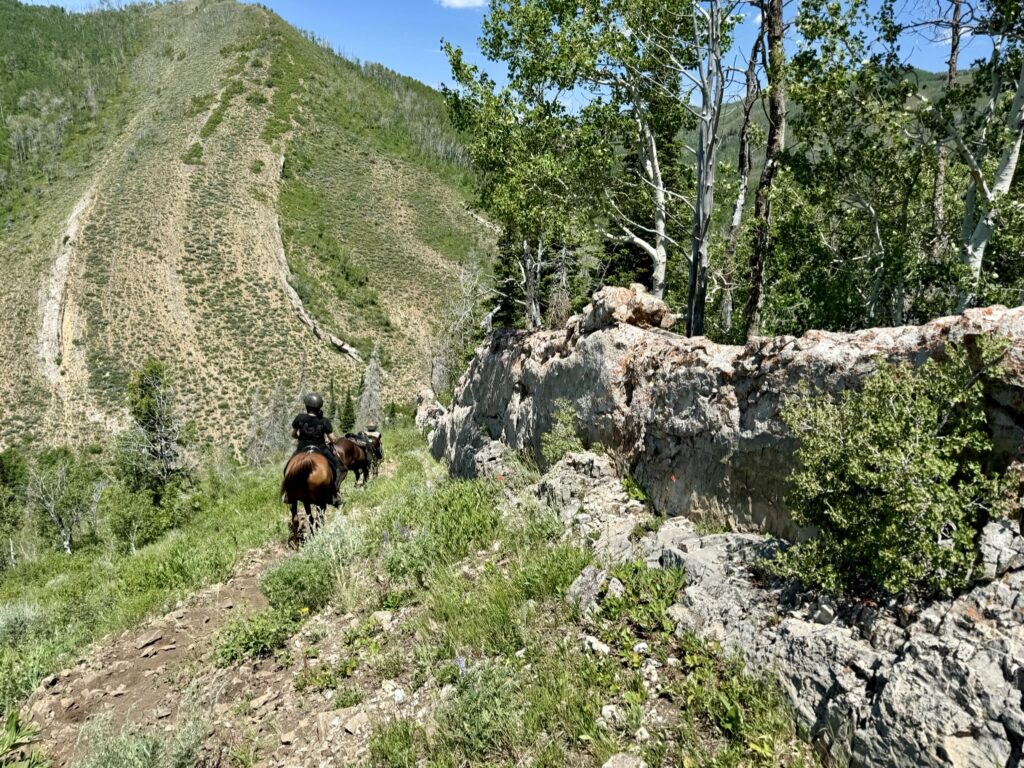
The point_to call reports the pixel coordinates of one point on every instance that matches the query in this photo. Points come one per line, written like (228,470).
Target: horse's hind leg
(306,522)
(293,525)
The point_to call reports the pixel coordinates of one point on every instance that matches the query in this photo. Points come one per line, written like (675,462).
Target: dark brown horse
(356,458)
(307,481)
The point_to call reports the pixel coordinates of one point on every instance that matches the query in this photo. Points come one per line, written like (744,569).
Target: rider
(373,443)
(314,432)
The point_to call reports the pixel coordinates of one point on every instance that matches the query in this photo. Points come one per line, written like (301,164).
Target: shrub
(254,636)
(396,744)
(17,620)
(299,582)
(133,519)
(561,439)
(892,477)
(138,747)
(438,528)
(194,155)
(16,740)
(483,719)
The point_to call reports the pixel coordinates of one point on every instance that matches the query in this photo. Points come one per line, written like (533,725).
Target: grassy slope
(79,599)
(178,252)
(483,635)
(372,205)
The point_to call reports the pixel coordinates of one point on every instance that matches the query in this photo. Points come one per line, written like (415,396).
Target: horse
(307,481)
(354,457)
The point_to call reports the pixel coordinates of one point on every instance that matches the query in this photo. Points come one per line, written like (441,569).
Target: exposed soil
(139,676)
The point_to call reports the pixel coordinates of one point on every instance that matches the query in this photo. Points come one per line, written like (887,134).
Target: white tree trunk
(984,220)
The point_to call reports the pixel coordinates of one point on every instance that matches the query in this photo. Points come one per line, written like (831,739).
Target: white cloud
(462,3)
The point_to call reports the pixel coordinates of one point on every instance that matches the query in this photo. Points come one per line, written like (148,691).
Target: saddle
(363,441)
(359,439)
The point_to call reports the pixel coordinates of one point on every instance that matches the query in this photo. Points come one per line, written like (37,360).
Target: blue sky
(405,35)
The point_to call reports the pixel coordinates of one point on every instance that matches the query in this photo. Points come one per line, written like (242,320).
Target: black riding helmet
(313,402)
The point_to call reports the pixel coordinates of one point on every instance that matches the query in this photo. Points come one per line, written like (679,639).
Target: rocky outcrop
(696,423)
(869,684)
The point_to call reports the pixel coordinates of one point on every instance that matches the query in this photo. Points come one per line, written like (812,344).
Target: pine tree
(347,419)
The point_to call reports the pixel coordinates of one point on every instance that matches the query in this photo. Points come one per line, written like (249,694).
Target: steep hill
(206,184)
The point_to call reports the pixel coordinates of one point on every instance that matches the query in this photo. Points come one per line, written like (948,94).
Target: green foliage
(17,621)
(95,592)
(139,747)
(132,517)
(61,489)
(438,528)
(347,418)
(484,718)
(322,677)
(16,742)
(300,582)
(194,155)
(13,473)
(562,438)
(255,636)
(151,456)
(648,593)
(632,487)
(396,744)
(893,478)
(491,614)
(59,71)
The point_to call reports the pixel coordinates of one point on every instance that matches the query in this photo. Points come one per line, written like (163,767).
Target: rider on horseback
(315,433)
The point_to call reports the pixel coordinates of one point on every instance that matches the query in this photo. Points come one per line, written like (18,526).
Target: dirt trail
(141,675)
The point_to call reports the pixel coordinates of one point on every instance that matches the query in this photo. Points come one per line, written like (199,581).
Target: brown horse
(354,457)
(307,481)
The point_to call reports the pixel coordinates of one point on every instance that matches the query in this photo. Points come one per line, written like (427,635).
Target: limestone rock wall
(696,423)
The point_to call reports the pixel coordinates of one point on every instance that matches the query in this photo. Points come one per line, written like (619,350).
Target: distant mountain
(202,182)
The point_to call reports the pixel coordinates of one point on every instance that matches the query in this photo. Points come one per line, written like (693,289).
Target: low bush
(133,519)
(893,478)
(17,621)
(138,747)
(562,438)
(194,155)
(439,527)
(300,582)
(16,744)
(254,636)
(483,720)
(396,744)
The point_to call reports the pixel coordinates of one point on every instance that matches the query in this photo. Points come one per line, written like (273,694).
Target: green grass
(78,599)
(255,636)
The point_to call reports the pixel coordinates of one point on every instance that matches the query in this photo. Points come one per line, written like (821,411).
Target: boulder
(1002,548)
(428,411)
(632,306)
(697,423)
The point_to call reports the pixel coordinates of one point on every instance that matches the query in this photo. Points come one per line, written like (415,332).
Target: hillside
(223,193)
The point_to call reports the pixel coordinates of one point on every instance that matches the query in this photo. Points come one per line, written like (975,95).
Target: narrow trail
(141,675)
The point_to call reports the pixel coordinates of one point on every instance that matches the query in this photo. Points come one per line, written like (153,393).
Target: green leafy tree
(892,477)
(151,455)
(62,490)
(134,520)
(13,483)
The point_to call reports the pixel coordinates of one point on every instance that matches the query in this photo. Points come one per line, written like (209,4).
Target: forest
(764,179)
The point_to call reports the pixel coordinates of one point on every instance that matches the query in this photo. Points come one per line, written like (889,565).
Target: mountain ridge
(231,215)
